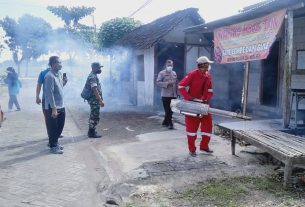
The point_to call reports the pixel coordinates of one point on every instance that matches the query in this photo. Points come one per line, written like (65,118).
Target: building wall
(254,83)
(220,80)
(298,76)
(192,53)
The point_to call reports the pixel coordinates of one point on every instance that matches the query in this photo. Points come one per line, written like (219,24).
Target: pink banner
(246,41)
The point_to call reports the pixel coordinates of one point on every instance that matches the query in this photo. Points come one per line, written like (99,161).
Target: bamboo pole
(288,68)
(246,88)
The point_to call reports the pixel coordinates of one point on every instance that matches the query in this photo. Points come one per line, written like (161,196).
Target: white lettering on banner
(247,49)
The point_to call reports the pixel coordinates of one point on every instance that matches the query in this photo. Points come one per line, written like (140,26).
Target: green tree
(114,29)
(26,38)
(83,35)
(71,16)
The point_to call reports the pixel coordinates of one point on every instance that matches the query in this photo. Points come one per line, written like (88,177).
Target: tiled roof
(257,6)
(149,34)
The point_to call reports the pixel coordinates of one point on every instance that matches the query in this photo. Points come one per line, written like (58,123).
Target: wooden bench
(285,147)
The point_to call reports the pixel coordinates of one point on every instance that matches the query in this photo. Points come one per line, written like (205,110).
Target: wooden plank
(282,141)
(277,153)
(267,142)
(289,143)
(288,137)
(287,171)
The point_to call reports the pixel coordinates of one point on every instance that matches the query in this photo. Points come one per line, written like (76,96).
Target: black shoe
(193,154)
(60,136)
(56,150)
(58,145)
(164,123)
(208,150)
(93,134)
(170,126)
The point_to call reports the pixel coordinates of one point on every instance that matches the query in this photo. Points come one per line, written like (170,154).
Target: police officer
(96,99)
(167,80)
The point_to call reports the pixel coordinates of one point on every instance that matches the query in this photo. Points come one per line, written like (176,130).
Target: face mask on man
(98,71)
(169,68)
(209,68)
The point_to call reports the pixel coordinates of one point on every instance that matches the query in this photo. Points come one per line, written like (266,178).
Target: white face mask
(169,68)
(209,68)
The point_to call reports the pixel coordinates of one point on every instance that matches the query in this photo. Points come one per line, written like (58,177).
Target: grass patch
(217,192)
(230,192)
(233,192)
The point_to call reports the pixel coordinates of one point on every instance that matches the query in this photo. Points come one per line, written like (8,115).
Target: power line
(140,8)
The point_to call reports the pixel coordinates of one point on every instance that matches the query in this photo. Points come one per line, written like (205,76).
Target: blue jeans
(13,100)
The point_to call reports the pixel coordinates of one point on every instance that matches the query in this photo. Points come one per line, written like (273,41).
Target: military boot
(93,134)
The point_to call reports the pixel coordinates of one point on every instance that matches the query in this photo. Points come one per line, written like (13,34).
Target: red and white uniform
(197,85)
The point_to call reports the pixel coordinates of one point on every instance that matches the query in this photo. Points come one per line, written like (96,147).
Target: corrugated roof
(149,34)
(256,6)
(248,13)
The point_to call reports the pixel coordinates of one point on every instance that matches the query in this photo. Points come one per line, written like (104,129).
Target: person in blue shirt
(14,85)
(40,81)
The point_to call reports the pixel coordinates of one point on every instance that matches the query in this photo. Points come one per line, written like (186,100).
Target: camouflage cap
(96,65)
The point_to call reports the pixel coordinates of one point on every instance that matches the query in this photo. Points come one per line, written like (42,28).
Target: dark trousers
(13,100)
(167,109)
(44,111)
(55,125)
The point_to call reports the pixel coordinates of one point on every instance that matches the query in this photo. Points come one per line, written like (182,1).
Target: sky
(209,10)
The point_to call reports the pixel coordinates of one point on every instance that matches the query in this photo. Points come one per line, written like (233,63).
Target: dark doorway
(269,87)
(164,51)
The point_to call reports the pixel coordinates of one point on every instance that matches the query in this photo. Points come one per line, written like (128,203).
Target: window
(300,59)
(140,67)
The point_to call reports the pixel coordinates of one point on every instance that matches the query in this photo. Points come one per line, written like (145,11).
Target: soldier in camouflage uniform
(96,99)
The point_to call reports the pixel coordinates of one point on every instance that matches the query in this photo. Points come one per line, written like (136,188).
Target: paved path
(31,176)
(89,171)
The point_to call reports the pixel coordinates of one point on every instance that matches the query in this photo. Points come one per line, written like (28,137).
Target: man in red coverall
(197,86)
